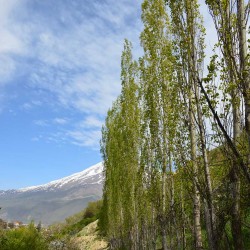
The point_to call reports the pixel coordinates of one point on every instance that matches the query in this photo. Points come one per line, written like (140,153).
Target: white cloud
(7,68)
(71,56)
(84,133)
(91,122)
(9,41)
(42,123)
(76,61)
(31,104)
(60,121)
(26,106)
(85,138)
(37,138)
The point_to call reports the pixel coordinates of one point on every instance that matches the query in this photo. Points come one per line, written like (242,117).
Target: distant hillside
(55,200)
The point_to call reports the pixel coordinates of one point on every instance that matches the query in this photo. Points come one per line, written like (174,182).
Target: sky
(59,74)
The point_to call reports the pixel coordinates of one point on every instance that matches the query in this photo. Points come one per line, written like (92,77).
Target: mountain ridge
(53,201)
(95,169)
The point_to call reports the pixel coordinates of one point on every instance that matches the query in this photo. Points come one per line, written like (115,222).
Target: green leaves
(23,238)
(157,132)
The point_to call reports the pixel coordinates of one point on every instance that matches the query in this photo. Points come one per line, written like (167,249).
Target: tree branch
(230,143)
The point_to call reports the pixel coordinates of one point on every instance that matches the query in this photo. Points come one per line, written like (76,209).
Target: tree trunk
(244,68)
(192,70)
(196,197)
(163,219)
(208,203)
(173,213)
(236,217)
(183,216)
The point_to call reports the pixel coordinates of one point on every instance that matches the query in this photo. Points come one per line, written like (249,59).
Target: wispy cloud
(10,43)
(7,68)
(85,138)
(30,105)
(79,42)
(83,133)
(60,121)
(42,123)
(68,56)
(91,122)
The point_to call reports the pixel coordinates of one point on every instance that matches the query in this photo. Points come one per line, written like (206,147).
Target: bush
(77,222)
(24,238)
(93,209)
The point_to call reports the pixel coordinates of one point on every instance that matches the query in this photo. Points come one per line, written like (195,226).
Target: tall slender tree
(230,22)
(159,98)
(163,186)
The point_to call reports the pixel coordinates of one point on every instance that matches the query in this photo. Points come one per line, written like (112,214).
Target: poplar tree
(230,22)
(163,185)
(159,96)
(188,37)
(120,153)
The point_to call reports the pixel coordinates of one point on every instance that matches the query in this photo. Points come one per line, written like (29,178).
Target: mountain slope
(88,238)
(55,200)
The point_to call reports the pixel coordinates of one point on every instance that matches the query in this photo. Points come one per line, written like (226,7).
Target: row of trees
(175,143)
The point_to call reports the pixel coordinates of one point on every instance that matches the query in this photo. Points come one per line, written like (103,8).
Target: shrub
(93,209)
(24,238)
(77,222)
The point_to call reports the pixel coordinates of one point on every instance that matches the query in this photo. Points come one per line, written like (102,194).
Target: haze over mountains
(55,200)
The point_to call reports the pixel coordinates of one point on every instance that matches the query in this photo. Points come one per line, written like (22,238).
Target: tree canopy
(175,143)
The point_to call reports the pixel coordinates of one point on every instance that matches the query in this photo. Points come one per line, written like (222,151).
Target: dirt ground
(88,238)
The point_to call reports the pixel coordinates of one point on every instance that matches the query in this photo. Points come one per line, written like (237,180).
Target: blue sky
(60,72)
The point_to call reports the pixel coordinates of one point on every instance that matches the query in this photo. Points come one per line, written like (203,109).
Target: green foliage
(93,209)
(169,180)
(77,222)
(24,238)
(246,231)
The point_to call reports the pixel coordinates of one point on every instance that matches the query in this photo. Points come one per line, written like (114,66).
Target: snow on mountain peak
(80,177)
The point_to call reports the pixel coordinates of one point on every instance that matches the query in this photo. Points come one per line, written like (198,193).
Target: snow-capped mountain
(55,200)
(92,175)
